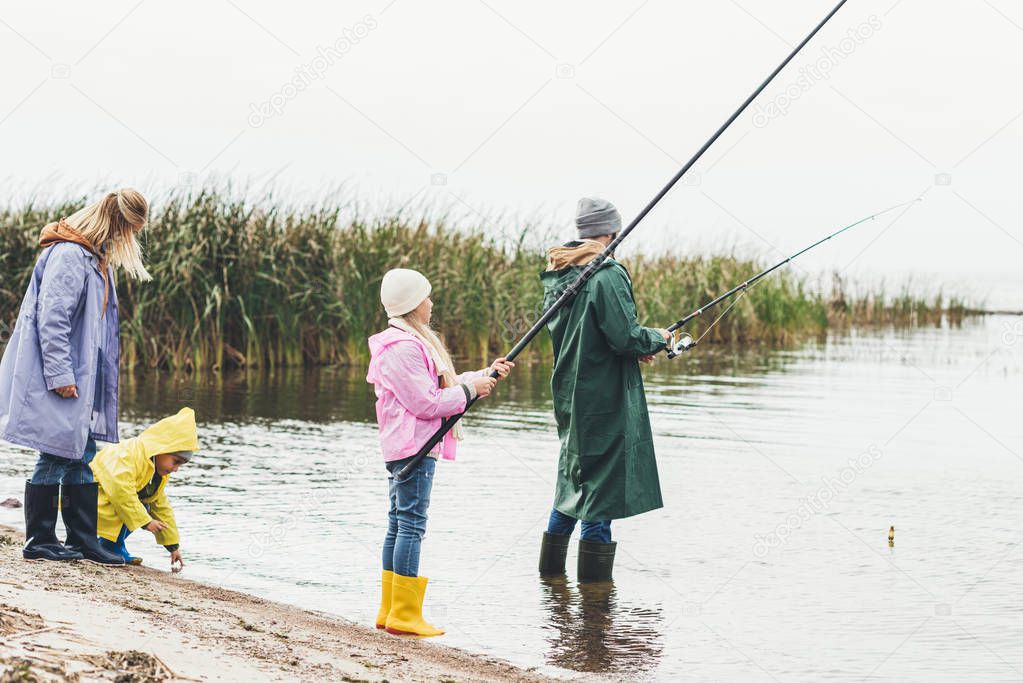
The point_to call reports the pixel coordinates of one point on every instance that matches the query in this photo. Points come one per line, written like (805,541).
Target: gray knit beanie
(595,217)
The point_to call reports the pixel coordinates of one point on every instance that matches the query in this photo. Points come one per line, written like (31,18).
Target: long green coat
(607,468)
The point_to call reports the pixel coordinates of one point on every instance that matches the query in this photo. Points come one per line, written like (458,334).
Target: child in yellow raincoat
(132,477)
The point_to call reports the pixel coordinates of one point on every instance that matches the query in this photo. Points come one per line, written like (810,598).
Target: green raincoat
(607,468)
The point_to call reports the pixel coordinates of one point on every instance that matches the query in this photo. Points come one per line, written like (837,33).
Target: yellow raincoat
(124,469)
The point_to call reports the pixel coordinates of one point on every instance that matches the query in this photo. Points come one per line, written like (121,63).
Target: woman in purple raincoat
(59,372)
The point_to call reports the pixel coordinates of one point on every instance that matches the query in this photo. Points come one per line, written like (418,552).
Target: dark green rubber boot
(553,550)
(596,561)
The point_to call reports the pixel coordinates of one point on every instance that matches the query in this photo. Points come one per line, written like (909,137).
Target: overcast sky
(521,108)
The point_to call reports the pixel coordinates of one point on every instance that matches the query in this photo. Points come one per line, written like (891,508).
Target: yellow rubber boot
(385,598)
(406,616)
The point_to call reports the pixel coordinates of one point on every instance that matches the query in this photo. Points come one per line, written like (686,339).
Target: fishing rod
(685,342)
(595,264)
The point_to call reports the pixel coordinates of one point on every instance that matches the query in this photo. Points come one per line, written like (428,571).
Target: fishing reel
(680,343)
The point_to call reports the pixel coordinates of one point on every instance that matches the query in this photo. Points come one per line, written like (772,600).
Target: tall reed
(242,283)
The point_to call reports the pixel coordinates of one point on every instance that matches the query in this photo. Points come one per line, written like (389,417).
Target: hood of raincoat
(171,434)
(381,340)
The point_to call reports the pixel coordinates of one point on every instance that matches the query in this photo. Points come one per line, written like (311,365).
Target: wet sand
(79,621)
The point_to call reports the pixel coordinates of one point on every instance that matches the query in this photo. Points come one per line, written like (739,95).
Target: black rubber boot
(40,521)
(553,549)
(78,508)
(596,561)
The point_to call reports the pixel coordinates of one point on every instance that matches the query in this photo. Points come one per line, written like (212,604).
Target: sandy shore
(79,621)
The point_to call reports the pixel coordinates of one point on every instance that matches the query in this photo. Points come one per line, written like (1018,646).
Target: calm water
(770,560)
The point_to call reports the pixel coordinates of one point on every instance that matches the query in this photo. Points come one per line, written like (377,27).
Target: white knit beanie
(402,290)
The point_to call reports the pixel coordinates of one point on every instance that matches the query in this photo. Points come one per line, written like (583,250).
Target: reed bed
(242,283)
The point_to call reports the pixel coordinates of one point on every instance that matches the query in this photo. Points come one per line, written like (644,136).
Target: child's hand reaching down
(177,563)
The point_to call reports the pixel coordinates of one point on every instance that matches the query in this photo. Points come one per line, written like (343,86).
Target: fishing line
(718,319)
(684,342)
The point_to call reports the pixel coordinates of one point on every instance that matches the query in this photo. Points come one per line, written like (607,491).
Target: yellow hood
(171,434)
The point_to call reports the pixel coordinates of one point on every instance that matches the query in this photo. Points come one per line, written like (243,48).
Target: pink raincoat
(410,403)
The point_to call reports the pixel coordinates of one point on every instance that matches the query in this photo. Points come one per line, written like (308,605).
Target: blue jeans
(562,524)
(53,469)
(406,520)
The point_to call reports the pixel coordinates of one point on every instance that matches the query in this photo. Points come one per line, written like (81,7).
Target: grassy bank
(236,283)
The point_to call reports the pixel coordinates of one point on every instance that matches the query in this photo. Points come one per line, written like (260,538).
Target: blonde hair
(428,336)
(111,225)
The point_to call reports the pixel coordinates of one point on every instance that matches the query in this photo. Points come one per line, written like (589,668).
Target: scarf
(577,253)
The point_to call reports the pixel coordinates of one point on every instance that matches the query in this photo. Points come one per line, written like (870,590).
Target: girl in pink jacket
(416,388)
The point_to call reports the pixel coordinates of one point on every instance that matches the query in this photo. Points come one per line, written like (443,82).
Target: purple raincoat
(62,337)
